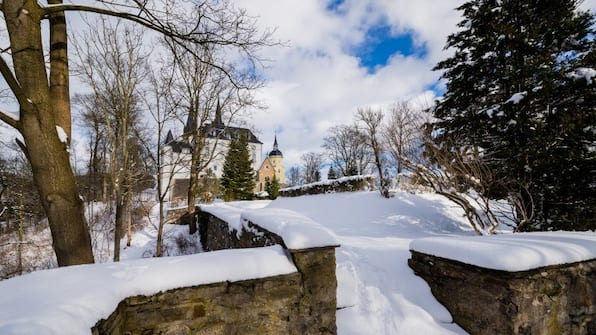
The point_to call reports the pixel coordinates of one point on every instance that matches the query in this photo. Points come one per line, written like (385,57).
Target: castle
(177,154)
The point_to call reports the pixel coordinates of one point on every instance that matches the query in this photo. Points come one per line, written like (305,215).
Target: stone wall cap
(297,231)
(512,252)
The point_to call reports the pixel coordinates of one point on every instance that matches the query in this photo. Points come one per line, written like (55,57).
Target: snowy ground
(377,292)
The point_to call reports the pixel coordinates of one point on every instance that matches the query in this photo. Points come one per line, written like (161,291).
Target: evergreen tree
(272,188)
(521,89)
(331,174)
(238,178)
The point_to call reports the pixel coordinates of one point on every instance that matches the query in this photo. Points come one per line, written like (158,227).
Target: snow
(328,182)
(71,300)
(586,73)
(377,292)
(517,97)
(297,231)
(513,252)
(62,134)
(226,213)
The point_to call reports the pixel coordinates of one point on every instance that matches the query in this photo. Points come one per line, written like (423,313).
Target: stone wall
(345,184)
(264,306)
(300,303)
(550,300)
(318,303)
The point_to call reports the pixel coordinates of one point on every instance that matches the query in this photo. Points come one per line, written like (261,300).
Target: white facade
(176,157)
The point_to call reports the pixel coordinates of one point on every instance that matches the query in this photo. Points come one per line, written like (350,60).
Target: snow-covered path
(377,292)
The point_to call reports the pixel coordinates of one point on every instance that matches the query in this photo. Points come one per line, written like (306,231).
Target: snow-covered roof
(512,252)
(71,300)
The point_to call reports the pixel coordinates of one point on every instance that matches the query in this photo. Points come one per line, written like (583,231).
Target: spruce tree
(521,88)
(229,178)
(246,174)
(272,188)
(238,178)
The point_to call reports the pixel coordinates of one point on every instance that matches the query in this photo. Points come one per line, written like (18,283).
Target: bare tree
(311,165)
(44,105)
(347,149)
(91,120)
(114,65)
(162,111)
(294,176)
(370,122)
(464,178)
(208,99)
(402,133)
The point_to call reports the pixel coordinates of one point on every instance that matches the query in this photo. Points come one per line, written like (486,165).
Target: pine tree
(238,178)
(229,178)
(272,188)
(246,174)
(521,89)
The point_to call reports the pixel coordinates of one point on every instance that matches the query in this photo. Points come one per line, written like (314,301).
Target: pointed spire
(275,151)
(169,137)
(191,123)
(275,147)
(217,120)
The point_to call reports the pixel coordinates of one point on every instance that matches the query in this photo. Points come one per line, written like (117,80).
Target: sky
(340,55)
(345,54)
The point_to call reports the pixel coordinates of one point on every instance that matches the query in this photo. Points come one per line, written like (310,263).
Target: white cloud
(315,82)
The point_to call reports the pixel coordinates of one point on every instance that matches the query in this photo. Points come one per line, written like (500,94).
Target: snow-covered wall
(344,184)
(72,299)
(311,247)
(532,283)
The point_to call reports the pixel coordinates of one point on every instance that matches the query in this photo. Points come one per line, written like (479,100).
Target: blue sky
(381,44)
(346,54)
(340,55)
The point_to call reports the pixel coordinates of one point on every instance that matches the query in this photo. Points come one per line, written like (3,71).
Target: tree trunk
(49,158)
(20,233)
(129,221)
(158,250)
(119,224)
(193,183)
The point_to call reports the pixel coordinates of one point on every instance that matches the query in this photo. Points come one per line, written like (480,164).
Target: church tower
(272,166)
(277,159)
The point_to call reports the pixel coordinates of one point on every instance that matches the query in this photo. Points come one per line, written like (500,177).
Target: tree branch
(227,31)
(16,89)
(6,118)
(83,8)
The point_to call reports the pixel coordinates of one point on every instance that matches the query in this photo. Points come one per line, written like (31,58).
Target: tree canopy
(521,90)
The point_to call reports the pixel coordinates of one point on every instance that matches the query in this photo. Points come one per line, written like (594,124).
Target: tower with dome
(272,166)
